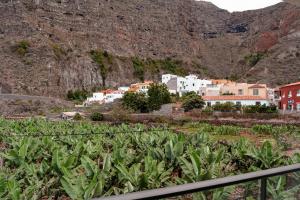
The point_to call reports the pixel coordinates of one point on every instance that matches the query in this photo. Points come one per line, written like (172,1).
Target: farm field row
(61,160)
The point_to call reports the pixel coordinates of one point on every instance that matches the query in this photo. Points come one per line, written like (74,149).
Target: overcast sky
(241,5)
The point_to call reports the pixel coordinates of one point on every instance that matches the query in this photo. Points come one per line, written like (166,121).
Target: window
(298,93)
(255,92)
(290,94)
(257,103)
(238,103)
(209,104)
(241,92)
(193,84)
(298,106)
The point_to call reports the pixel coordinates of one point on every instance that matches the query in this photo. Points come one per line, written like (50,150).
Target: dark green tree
(158,94)
(139,68)
(192,101)
(98,57)
(135,101)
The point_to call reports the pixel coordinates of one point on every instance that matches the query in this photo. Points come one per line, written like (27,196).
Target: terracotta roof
(292,84)
(231,97)
(108,91)
(257,86)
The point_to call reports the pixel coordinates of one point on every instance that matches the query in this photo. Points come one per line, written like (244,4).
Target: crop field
(66,160)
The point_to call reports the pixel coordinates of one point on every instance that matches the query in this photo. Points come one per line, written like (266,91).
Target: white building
(111,97)
(180,85)
(124,88)
(237,100)
(105,96)
(98,97)
(167,77)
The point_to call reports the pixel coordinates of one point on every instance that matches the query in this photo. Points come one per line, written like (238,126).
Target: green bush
(263,129)
(158,95)
(77,95)
(58,51)
(260,109)
(225,107)
(172,66)
(135,101)
(139,68)
(253,59)
(97,116)
(227,130)
(102,58)
(77,117)
(22,47)
(192,101)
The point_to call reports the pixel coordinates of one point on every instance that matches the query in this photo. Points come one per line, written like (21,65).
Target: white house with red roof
(105,96)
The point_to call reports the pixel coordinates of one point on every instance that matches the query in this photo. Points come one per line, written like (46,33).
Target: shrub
(192,101)
(224,107)
(77,117)
(22,47)
(102,58)
(77,95)
(120,114)
(253,59)
(172,66)
(158,94)
(139,68)
(260,109)
(227,130)
(135,101)
(97,116)
(58,51)
(262,129)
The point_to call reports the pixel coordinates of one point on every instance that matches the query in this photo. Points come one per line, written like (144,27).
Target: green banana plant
(266,157)
(173,151)
(85,186)
(277,189)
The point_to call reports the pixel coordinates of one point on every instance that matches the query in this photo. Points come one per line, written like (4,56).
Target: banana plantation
(66,160)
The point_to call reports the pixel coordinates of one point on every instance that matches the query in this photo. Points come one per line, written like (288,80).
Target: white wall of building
(242,102)
(97,97)
(167,77)
(124,88)
(109,98)
(189,83)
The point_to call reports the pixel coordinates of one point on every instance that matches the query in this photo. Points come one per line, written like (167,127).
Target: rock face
(45,45)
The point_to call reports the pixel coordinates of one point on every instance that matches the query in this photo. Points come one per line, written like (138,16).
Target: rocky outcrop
(45,45)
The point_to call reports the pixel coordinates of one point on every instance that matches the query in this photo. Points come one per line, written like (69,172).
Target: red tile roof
(292,84)
(231,97)
(108,91)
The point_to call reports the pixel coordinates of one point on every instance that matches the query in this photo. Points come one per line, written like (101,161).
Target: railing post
(263,189)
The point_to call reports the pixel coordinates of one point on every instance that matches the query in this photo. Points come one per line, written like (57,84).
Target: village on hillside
(212,91)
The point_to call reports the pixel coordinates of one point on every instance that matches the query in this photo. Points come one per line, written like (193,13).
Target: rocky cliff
(46,45)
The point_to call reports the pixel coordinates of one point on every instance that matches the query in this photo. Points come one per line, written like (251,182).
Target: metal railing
(179,190)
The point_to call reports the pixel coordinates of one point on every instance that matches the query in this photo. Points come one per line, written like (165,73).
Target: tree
(158,94)
(139,68)
(135,101)
(77,95)
(98,57)
(192,101)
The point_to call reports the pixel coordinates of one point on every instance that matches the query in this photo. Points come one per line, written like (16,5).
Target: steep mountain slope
(46,45)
